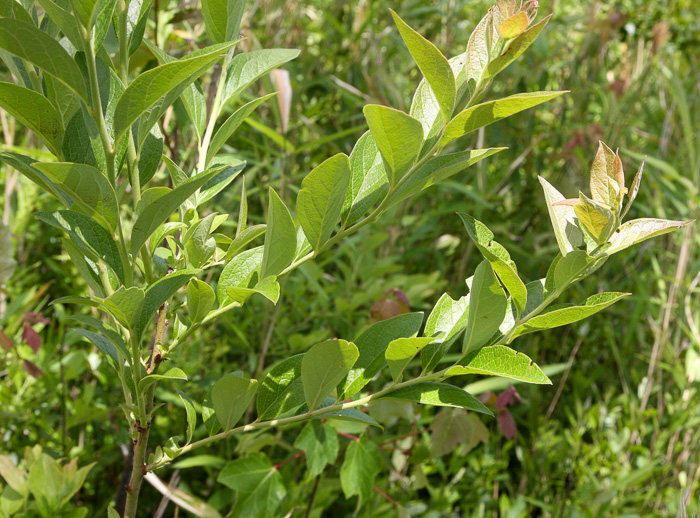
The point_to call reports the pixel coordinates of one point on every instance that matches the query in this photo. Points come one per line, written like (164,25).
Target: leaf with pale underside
(398,136)
(562,316)
(239,273)
(483,114)
(563,217)
(477,54)
(487,308)
(634,189)
(638,230)
(322,368)
(320,199)
(499,360)
(432,63)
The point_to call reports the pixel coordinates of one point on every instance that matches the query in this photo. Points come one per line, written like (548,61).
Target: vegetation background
(617,434)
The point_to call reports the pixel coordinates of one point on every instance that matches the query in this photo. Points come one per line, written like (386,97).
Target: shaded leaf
(323,367)
(230,397)
(438,394)
(487,308)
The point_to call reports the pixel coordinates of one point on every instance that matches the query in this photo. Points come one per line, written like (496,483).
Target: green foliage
(155,259)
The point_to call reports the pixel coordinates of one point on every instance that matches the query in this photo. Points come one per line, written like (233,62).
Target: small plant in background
(142,246)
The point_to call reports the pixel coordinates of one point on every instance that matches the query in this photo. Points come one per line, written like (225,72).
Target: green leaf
(243,238)
(372,344)
(103,344)
(368,181)
(89,188)
(249,66)
(569,236)
(320,444)
(259,485)
(398,136)
(360,468)
(200,245)
(280,238)
(638,230)
(556,317)
(633,190)
(452,427)
(489,112)
(65,21)
(222,18)
(230,396)
(432,63)
(320,199)
(446,321)
(172,374)
(267,287)
(238,273)
(607,178)
(200,300)
(7,262)
(477,54)
(110,333)
(574,267)
(147,93)
(23,164)
(400,352)
(125,305)
(137,17)
(437,169)
(27,42)
(282,389)
(34,111)
(191,415)
(151,155)
(499,360)
(515,48)
(88,235)
(105,10)
(438,394)
(598,218)
(155,213)
(323,367)
(498,257)
(85,11)
(232,123)
(351,415)
(159,293)
(487,308)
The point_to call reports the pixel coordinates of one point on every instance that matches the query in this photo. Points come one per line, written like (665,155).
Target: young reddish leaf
(31,337)
(514,26)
